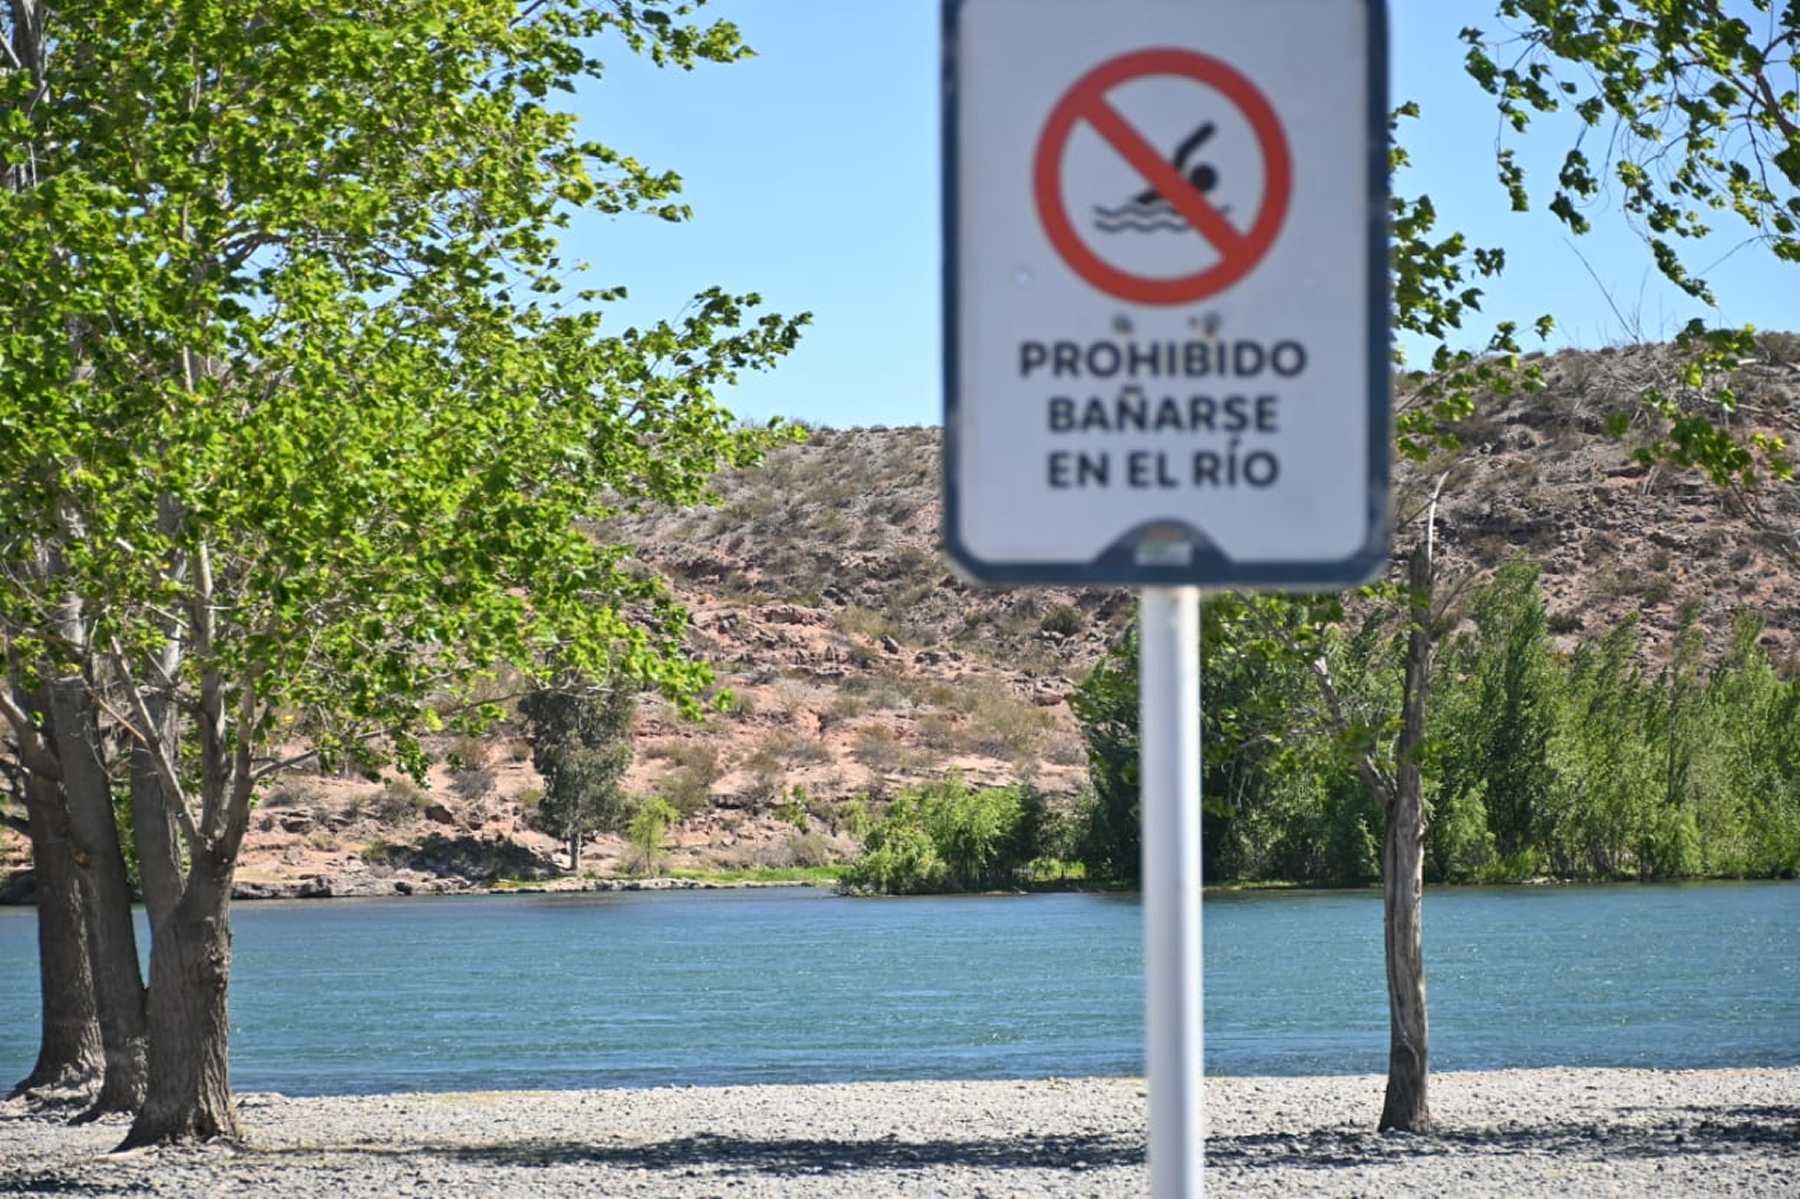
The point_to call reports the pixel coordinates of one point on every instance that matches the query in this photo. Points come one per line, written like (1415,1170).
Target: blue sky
(813,172)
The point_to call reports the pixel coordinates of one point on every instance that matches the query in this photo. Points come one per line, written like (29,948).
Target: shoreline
(1508,1132)
(16,891)
(13,894)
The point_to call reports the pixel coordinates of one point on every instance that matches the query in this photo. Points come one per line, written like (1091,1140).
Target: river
(712,987)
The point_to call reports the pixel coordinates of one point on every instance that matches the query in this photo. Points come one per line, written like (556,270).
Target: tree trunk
(190,975)
(70,1056)
(1403,881)
(112,935)
(575,851)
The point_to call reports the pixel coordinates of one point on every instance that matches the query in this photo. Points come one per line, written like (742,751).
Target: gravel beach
(1508,1133)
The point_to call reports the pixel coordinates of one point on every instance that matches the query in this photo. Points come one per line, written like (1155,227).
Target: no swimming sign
(1166,291)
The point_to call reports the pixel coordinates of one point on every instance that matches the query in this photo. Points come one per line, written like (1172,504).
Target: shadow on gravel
(57,1184)
(795,1155)
(1766,1131)
(1763,1131)
(1770,1131)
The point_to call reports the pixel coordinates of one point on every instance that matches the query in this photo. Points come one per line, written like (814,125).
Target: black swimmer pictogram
(1149,211)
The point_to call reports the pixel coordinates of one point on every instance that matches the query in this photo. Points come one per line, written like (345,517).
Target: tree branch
(173,795)
(233,815)
(1773,104)
(1437,492)
(214,769)
(1365,760)
(33,753)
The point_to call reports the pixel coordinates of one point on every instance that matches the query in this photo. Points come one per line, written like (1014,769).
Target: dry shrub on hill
(1004,726)
(861,622)
(1064,620)
(809,848)
(774,754)
(688,785)
(877,692)
(472,775)
(400,801)
(289,795)
(879,748)
(942,731)
(1781,348)
(846,705)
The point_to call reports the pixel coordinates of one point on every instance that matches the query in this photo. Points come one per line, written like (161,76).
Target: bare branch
(15,715)
(1431,519)
(1632,328)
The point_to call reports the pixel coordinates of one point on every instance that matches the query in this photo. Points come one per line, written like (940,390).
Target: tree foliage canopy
(1701,100)
(1689,112)
(581,745)
(306,429)
(287,360)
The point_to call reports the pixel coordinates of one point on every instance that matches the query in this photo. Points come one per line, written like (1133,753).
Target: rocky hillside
(1616,538)
(858,664)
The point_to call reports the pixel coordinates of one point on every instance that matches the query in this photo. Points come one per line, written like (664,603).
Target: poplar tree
(303,432)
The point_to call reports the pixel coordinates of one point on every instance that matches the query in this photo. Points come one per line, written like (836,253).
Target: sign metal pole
(1169,773)
(1166,340)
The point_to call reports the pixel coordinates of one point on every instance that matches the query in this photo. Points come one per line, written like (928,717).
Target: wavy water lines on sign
(1138,217)
(1151,212)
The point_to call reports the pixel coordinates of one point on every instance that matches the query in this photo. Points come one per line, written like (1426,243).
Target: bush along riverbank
(1544,756)
(1576,762)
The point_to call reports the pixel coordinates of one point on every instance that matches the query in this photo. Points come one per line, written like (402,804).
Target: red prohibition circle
(1086,101)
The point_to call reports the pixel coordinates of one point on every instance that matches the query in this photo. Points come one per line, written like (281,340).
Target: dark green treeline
(1616,760)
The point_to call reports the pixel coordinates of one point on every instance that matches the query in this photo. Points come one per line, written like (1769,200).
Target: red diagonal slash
(1169,183)
(1086,100)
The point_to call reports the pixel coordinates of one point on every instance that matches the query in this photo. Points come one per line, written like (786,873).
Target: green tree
(1106,704)
(1247,727)
(1046,831)
(1604,758)
(1752,825)
(950,837)
(315,437)
(1669,845)
(581,745)
(978,833)
(898,855)
(1497,747)
(649,824)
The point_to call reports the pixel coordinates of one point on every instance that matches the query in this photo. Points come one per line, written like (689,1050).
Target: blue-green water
(799,985)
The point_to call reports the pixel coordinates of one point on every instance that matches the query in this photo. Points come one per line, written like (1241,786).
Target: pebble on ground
(1507,1133)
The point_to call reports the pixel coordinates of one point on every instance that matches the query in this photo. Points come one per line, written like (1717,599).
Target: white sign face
(1166,291)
